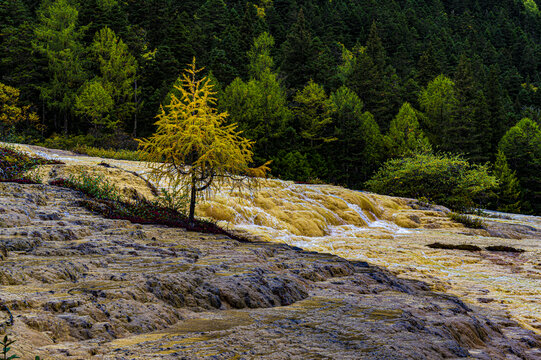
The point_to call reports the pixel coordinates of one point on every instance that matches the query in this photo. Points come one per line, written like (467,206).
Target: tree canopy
(193,149)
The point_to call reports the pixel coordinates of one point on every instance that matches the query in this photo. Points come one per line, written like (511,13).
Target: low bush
(6,347)
(14,164)
(95,186)
(468,221)
(442,179)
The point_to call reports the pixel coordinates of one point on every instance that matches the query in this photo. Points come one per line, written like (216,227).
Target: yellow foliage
(193,150)
(10,111)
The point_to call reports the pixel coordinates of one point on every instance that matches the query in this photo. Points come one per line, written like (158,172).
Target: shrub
(468,221)
(443,179)
(96,186)
(14,164)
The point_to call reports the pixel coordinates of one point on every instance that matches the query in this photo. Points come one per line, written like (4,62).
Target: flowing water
(385,231)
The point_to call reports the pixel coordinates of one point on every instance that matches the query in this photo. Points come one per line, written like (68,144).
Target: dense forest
(328,89)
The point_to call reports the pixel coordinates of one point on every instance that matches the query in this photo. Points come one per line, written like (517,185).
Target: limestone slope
(80,286)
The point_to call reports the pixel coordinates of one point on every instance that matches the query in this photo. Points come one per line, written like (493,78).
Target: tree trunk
(136,108)
(191,217)
(65,123)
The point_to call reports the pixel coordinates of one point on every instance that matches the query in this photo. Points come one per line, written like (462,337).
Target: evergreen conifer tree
(57,37)
(405,136)
(509,194)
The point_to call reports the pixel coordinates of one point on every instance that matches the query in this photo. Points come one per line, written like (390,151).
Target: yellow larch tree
(194,150)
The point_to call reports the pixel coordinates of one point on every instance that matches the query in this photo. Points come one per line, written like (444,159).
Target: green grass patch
(108,153)
(105,199)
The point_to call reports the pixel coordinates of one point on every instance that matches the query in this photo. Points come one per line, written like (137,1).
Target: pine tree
(375,49)
(193,149)
(522,147)
(259,106)
(95,102)
(211,20)
(470,132)
(313,113)
(260,60)
(20,66)
(57,37)
(374,81)
(405,136)
(298,54)
(495,106)
(439,102)
(509,194)
(117,73)
(428,66)
(13,13)
(358,150)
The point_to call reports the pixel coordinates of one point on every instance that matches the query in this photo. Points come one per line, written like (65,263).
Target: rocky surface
(80,286)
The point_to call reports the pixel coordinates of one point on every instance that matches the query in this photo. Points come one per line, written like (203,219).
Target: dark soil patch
(466,247)
(504,249)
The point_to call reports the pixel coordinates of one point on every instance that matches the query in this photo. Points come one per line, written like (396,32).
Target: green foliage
(294,166)
(260,57)
(12,113)
(6,343)
(439,102)
(117,74)
(521,145)
(68,142)
(373,80)
(259,106)
(172,201)
(120,154)
(58,39)
(531,7)
(443,179)
(509,194)
(359,144)
(469,132)
(405,136)
(313,113)
(56,52)
(96,103)
(466,220)
(298,53)
(95,186)
(106,201)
